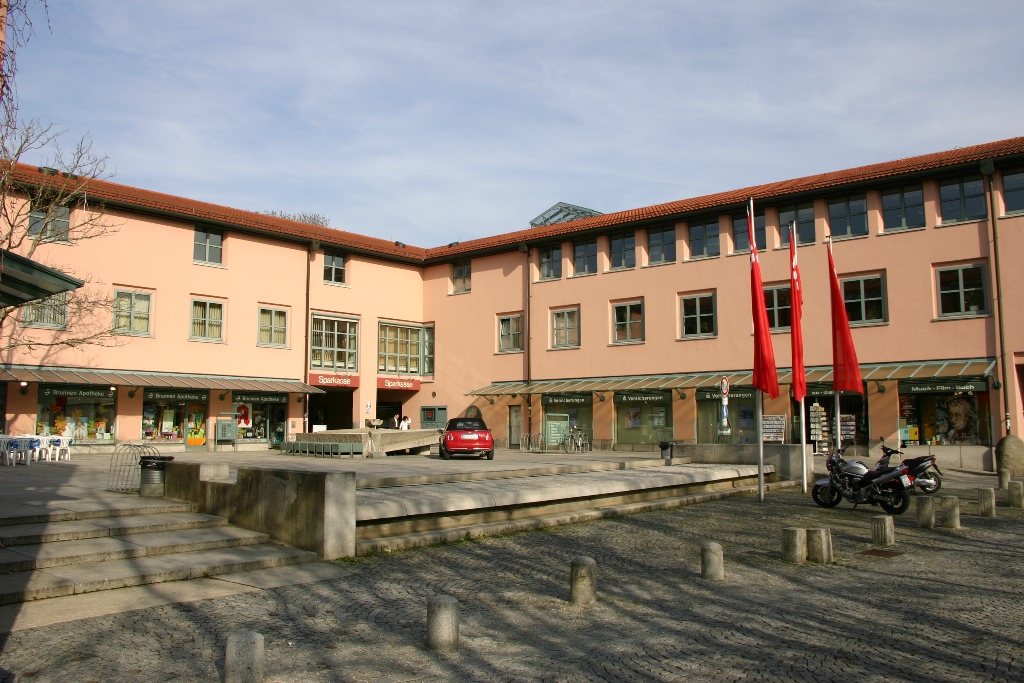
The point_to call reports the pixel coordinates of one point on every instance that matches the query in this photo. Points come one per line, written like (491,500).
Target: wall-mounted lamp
(298,399)
(490,400)
(512,395)
(131,392)
(996,384)
(23,389)
(682,394)
(600,397)
(113,388)
(880,387)
(221,397)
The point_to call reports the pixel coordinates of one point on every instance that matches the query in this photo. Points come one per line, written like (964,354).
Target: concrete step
(101,527)
(16,513)
(95,576)
(61,553)
(475,530)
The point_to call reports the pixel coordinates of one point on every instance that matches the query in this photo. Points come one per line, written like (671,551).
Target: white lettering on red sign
(327,379)
(398,384)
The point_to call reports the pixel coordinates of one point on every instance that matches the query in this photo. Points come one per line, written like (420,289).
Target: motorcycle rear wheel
(903,502)
(826,496)
(931,474)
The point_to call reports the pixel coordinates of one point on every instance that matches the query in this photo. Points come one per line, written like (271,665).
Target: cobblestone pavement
(949,608)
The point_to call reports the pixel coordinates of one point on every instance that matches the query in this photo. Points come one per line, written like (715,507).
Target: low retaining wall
(784,457)
(305,509)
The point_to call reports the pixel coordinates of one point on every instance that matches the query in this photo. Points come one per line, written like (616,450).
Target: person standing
(394,422)
(406,422)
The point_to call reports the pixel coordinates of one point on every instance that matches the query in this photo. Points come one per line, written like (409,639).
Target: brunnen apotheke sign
(164,395)
(77,392)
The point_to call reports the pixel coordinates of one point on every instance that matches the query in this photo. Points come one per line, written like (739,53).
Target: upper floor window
(49,312)
(461,273)
(777,303)
(50,225)
(962,290)
(551,262)
(510,333)
(704,237)
(405,349)
(584,257)
(903,208)
(962,199)
(207,320)
(334,343)
(661,245)
(698,315)
(208,246)
(803,214)
(741,232)
(273,327)
(565,328)
(864,298)
(628,322)
(334,267)
(131,312)
(848,216)
(1013,190)
(622,253)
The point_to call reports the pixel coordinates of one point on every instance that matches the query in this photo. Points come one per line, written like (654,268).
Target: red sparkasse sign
(398,383)
(322,379)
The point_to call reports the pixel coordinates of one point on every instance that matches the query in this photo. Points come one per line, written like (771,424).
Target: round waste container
(151,477)
(666,449)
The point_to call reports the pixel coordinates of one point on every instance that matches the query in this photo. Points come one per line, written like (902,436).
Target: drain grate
(875,552)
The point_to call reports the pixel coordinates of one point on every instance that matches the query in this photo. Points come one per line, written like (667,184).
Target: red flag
(765,376)
(796,298)
(845,368)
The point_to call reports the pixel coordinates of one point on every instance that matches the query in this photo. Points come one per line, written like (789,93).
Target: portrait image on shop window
(957,420)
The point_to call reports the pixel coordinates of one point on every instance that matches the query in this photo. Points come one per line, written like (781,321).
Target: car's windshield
(465,423)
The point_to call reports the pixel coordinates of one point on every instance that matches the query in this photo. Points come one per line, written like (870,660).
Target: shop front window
(643,418)
(955,414)
(740,416)
(260,417)
(81,413)
(564,412)
(174,416)
(820,419)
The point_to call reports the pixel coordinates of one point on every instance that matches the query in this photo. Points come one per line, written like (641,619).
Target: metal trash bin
(666,449)
(151,476)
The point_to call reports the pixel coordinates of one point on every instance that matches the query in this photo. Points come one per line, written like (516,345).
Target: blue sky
(432,121)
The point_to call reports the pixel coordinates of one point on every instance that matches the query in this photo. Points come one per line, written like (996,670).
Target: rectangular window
(628,322)
(273,327)
(777,302)
(698,315)
(803,214)
(208,244)
(52,225)
(848,217)
(551,263)
(565,328)
(962,290)
(49,312)
(510,333)
(865,299)
(661,245)
(704,238)
(623,251)
(584,257)
(741,232)
(334,343)
(461,276)
(131,312)
(207,320)
(962,199)
(1013,190)
(405,350)
(903,208)
(334,267)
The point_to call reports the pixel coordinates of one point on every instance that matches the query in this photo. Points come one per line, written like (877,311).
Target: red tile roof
(191,209)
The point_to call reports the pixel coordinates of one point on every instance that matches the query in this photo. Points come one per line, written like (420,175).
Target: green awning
(23,280)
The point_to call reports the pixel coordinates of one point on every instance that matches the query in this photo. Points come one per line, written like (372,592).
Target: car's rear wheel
(490,454)
(444,453)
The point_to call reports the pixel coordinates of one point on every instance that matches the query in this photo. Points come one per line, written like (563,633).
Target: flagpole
(839,436)
(803,443)
(760,446)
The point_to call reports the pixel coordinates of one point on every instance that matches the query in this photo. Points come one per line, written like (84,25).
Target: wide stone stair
(61,552)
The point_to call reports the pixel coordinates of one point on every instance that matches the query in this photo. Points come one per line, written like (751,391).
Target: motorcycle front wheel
(901,497)
(826,496)
(932,488)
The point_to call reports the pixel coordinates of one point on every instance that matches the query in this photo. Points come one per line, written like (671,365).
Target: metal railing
(531,442)
(123,475)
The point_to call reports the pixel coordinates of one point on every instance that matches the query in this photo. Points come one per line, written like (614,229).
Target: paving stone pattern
(949,608)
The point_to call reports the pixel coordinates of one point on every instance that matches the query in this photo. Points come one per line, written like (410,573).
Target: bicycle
(575,441)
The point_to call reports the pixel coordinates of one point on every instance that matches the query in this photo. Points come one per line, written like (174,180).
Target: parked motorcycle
(887,486)
(918,469)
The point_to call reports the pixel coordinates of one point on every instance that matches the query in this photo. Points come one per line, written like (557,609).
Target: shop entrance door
(556,426)
(515,425)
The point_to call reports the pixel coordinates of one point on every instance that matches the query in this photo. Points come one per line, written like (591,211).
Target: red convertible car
(467,436)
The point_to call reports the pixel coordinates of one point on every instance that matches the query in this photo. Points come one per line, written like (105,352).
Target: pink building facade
(620,325)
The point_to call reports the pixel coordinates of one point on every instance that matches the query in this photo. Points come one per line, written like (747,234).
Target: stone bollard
(443,623)
(244,658)
(712,562)
(1004,479)
(1017,494)
(883,530)
(926,512)
(583,580)
(950,512)
(819,545)
(794,545)
(987,502)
